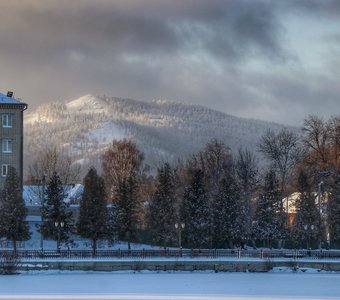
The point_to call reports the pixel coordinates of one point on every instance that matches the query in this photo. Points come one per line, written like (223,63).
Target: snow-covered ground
(172,285)
(77,243)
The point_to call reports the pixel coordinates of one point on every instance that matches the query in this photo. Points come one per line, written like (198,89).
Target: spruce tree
(58,223)
(93,219)
(13,211)
(195,213)
(127,209)
(246,169)
(230,217)
(162,216)
(306,229)
(334,215)
(269,217)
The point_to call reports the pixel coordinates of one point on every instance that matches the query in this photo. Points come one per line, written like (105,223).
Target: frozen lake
(174,285)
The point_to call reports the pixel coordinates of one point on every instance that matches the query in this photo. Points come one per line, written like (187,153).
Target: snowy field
(172,285)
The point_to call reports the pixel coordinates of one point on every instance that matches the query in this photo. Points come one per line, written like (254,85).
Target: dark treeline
(218,199)
(226,200)
(215,199)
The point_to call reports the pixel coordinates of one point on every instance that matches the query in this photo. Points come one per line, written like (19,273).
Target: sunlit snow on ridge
(87,103)
(106,133)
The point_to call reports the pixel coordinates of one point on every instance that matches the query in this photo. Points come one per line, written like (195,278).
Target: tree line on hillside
(212,200)
(162,130)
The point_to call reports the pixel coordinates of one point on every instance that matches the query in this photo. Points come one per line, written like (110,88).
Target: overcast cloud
(271,60)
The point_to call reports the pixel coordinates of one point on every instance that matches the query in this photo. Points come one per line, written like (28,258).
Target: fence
(171,253)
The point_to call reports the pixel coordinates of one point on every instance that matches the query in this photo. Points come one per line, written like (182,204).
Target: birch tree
(122,160)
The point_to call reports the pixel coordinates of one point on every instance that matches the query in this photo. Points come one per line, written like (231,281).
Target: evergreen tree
(195,213)
(306,227)
(13,211)
(269,217)
(127,209)
(93,219)
(58,223)
(162,216)
(214,161)
(334,215)
(246,169)
(230,217)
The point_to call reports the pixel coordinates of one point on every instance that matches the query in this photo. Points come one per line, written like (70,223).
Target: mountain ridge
(164,130)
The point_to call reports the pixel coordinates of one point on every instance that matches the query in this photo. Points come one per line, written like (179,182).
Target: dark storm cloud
(57,49)
(229,29)
(186,50)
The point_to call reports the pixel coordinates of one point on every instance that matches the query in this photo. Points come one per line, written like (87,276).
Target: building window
(6,145)
(7,120)
(4,170)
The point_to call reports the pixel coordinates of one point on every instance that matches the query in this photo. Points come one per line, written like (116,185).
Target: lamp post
(328,240)
(43,181)
(59,226)
(320,211)
(179,227)
(319,195)
(308,228)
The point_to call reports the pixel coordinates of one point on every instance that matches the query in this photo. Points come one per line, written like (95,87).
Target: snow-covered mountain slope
(163,130)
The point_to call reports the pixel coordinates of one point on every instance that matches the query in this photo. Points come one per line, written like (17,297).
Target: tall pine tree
(93,219)
(13,211)
(270,218)
(195,213)
(162,216)
(334,215)
(127,209)
(230,216)
(58,222)
(306,229)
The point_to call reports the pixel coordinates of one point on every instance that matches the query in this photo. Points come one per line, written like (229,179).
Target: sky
(265,59)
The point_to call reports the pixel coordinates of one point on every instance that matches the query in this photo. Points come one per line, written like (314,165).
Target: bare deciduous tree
(316,140)
(51,160)
(283,149)
(48,161)
(334,126)
(122,160)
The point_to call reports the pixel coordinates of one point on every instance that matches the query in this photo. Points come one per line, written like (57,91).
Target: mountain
(163,130)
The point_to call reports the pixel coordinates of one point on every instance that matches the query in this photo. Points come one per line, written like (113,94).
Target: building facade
(11,135)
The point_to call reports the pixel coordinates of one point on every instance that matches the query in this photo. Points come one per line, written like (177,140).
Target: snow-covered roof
(73,193)
(32,194)
(8,100)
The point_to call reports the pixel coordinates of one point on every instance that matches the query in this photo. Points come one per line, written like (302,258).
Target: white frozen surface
(172,285)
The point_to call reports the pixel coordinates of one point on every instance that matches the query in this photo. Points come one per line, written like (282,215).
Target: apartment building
(11,135)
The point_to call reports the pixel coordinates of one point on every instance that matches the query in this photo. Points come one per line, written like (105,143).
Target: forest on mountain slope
(163,130)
